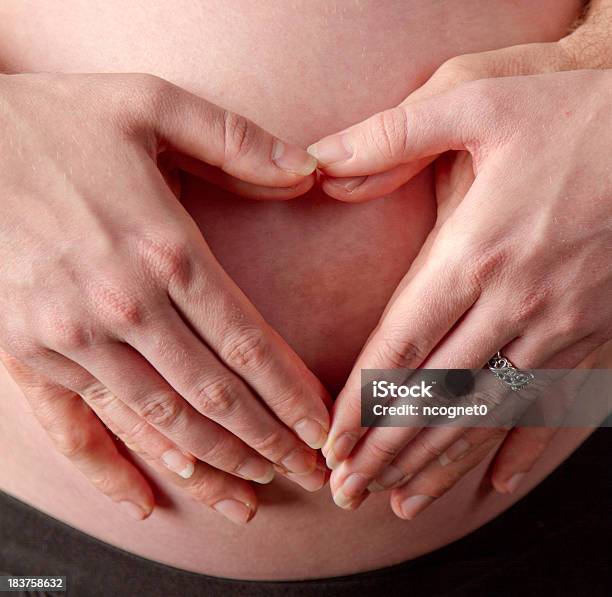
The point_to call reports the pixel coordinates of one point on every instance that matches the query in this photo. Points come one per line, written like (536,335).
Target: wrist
(590,45)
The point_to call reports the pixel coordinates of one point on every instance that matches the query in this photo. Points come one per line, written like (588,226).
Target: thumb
(195,127)
(525,59)
(401,135)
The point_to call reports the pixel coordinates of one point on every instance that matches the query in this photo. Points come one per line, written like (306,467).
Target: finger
(139,436)
(451,443)
(401,135)
(114,367)
(469,346)
(444,445)
(428,306)
(78,434)
(356,189)
(514,61)
(392,455)
(519,452)
(311,481)
(239,187)
(524,446)
(383,453)
(153,447)
(231,497)
(352,479)
(221,396)
(189,124)
(155,402)
(210,311)
(229,324)
(472,348)
(420,492)
(364,188)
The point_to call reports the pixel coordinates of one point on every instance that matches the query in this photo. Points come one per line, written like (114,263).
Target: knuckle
(162,411)
(491,398)
(443,481)
(220,451)
(216,398)
(380,452)
(289,401)
(205,489)
(486,97)
(399,352)
(138,105)
(153,93)
(238,136)
(105,482)
(134,436)
(530,305)
(429,449)
(167,260)
(97,395)
(68,336)
(389,133)
(18,349)
(498,420)
(573,323)
(247,349)
(74,444)
(458,69)
(269,444)
(118,308)
(484,264)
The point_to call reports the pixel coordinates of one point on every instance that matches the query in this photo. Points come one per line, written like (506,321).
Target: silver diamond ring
(508,374)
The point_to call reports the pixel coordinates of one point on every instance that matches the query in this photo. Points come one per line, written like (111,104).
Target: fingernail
(133,510)
(338,450)
(455,452)
(256,469)
(375,487)
(348,184)
(514,481)
(178,463)
(235,511)
(311,482)
(331,150)
(300,461)
(311,432)
(341,500)
(390,476)
(354,485)
(415,504)
(349,503)
(293,159)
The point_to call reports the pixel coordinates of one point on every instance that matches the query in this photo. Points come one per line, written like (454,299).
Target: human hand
(525,59)
(108,290)
(503,269)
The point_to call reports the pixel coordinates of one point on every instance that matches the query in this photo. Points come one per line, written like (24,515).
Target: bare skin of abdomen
(318,270)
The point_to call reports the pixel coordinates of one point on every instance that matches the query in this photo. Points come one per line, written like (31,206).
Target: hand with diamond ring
(519,260)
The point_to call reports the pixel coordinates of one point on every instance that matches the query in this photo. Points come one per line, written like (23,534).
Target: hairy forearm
(590,43)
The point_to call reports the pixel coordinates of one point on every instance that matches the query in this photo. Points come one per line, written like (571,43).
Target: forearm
(590,44)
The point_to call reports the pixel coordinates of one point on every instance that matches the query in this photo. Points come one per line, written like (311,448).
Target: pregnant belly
(319,271)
